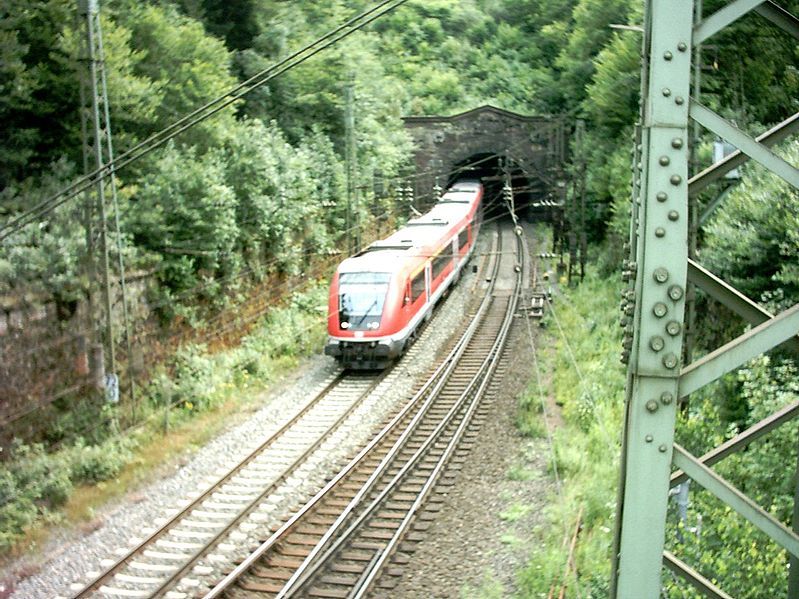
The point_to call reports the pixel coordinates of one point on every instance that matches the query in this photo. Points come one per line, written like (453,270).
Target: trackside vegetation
(252,202)
(35,483)
(579,348)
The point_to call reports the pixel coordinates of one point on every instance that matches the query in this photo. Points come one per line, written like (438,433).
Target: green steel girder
(742,440)
(747,508)
(659,266)
(722,18)
(758,152)
(660,278)
(733,299)
(780,17)
(740,350)
(716,171)
(699,582)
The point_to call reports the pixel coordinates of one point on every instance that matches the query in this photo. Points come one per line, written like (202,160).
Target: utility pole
(350,153)
(98,155)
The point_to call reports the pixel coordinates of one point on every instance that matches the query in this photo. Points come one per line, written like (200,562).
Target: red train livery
(380,297)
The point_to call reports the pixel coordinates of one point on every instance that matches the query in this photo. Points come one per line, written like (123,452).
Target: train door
(428,282)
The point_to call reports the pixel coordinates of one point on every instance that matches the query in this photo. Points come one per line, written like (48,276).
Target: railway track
(248,491)
(342,541)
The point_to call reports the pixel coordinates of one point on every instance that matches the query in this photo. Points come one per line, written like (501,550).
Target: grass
(581,328)
(515,512)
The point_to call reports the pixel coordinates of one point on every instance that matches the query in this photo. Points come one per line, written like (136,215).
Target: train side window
(463,239)
(441,261)
(417,286)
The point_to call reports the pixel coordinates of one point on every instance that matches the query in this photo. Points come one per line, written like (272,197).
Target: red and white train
(380,297)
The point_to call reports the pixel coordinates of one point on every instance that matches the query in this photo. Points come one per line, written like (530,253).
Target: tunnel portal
(495,146)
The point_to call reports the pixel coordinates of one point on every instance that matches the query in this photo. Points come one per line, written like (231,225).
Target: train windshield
(361,298)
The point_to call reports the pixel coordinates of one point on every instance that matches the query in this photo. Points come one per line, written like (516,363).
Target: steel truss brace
(742,440)
(723,18)
(700,583)
(739,351)
(758,152)
(780,17)
(716,171)
(730,297)
(757,516)
(735,10)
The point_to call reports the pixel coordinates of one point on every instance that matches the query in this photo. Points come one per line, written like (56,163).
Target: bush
(95,463)
(16,510)
(43,478)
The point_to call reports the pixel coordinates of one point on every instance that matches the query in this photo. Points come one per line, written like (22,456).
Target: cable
(199,115)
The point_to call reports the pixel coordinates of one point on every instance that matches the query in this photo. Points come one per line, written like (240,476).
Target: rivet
(662,449)
(675,179)
(649,438)
(668,55)
(657,343)
(660,232)
(675,292)
(673,328)
(682,46)
(666,398)
(639,166)
(660,309)
(674,215)
(661,275)
(652,406)
(670,361)
(666,92)
(676,143)
(679,101)
(664,161)
(661,196)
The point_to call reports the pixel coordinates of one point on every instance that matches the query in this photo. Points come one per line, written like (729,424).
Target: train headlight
(345,325)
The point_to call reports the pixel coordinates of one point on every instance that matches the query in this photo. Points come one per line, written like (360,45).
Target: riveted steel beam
(722,18)
(659,272)
(774,529)
(699,582)
(716,171)
(780,17)
(733,299)
(739,351)
(742,440)
(758,152)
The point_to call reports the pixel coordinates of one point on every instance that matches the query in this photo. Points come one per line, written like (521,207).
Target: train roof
(419,234)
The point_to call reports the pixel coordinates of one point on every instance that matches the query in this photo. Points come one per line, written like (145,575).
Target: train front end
(362,312)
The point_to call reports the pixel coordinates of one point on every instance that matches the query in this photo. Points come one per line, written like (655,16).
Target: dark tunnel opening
(493,170)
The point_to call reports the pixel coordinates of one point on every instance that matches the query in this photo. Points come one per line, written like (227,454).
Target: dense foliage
(259,190)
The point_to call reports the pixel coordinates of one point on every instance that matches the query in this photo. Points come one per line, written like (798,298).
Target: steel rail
(485,374)
(420,401)
(257,501)
(463,408)
(487,371)
(96,584)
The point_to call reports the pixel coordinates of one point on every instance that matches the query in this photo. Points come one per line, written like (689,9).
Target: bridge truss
(661,271)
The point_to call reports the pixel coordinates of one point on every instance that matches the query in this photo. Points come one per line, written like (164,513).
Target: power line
(201,114)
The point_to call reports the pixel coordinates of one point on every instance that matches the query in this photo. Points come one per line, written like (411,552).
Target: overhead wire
(201,114)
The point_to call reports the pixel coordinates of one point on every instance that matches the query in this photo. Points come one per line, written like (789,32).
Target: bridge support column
(659,269)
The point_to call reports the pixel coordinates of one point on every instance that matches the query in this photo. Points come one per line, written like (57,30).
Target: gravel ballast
(482,534)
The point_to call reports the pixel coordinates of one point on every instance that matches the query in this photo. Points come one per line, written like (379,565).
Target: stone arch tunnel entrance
(496,146)
(495,171)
